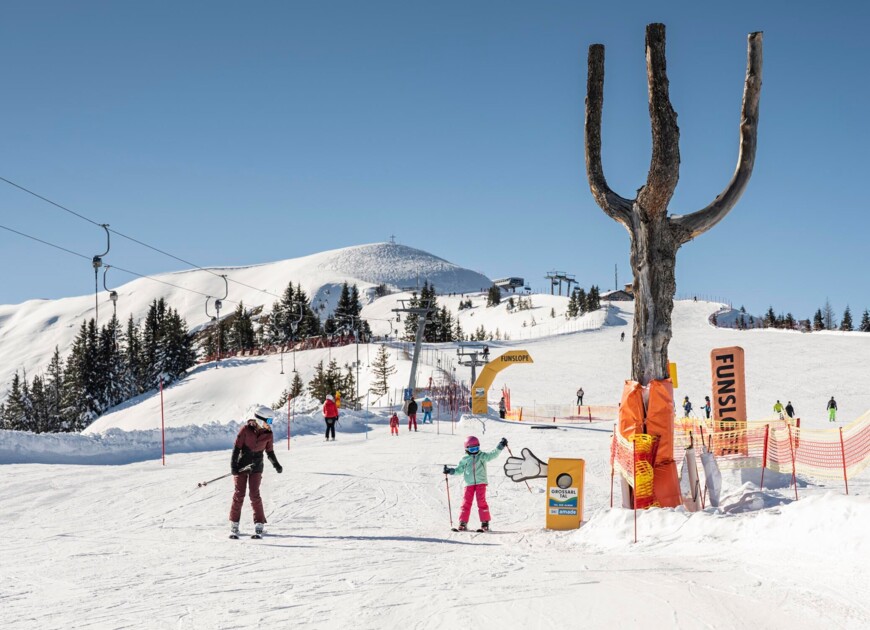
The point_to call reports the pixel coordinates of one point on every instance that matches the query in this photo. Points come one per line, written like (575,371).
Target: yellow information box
(565,493)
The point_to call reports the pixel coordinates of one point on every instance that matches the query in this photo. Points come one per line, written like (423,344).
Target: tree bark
(656,237)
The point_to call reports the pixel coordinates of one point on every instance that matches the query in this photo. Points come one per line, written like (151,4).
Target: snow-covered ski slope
(30,331)
(359,530)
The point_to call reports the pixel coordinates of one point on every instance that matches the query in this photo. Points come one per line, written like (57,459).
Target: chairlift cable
(130,238)
(132,273)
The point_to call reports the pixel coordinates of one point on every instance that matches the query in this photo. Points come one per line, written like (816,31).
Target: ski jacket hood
(473,467)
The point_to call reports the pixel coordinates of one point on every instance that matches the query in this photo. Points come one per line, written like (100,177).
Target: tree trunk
(653,260)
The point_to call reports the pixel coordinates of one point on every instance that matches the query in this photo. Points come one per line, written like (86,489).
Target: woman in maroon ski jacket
(247,465)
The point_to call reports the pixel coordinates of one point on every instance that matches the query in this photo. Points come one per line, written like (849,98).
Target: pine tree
(828,316)
(54,394)
(493,296)
(14,418)
(846,324)
(865,321)
(593,299)
(39,410)
(769,318)
(573,307)
(111,362)
(790,322)
(329,381)
(381,370)
(581,301)
(818,321)
(241,333)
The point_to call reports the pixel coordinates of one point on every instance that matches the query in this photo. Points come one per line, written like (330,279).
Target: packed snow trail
(359,537)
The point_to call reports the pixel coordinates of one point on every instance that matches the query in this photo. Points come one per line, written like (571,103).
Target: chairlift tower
(473,355)
(422,312)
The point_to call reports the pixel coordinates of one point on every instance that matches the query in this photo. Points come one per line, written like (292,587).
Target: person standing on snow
(502,408)
(832,410)
(246,465)
(706,406)
(330,416)
(411,411)
(426,406)
(789,410)
(394,424)
(580,396)
(473,469)
(777,408)
(687,406)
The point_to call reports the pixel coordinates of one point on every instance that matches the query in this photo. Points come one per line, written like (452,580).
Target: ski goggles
(473,450)
(256,419)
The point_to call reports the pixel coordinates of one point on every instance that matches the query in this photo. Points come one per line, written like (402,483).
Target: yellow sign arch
(487,376)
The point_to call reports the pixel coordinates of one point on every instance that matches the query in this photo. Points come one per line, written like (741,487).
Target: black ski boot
(484,526)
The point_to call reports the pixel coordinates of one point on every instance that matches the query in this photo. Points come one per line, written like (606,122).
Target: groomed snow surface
(359,532)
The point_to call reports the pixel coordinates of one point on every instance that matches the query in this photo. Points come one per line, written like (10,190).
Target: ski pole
(202,484)
(449,509)
(511,454)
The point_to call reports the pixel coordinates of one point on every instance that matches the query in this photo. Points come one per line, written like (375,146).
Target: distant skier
(502,408)
(394,424)
(622,336)
(687,406)
(706,406)
(426,406)
(410,409)
(580,396)
(246,464)
(832,410)
(777,408)
(473,469)
(330,416)
(789,410)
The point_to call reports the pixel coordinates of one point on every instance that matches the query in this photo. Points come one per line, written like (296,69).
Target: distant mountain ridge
(30,331)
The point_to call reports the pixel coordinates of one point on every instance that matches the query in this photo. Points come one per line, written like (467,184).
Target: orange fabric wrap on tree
(657,419)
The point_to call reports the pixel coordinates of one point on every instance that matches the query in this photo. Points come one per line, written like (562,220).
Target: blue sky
(238,133)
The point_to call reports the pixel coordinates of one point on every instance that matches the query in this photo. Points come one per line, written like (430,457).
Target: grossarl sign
(562,499)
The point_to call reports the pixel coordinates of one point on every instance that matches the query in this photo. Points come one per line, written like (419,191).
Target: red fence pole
(764,454)
(288,422)
(634,494)
(843,453)
(612,454)
(589,409)
(793,467)
(162,423)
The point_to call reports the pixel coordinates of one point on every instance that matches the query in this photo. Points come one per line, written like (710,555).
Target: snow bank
(116,446)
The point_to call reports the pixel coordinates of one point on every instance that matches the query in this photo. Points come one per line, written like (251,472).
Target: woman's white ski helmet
(262,413)
(330,397)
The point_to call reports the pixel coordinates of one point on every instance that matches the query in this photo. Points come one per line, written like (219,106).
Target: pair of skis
(253,536)
(479,530)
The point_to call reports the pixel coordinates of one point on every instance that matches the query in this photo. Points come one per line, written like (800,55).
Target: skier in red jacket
(394,424)
(247,467)
(330,416)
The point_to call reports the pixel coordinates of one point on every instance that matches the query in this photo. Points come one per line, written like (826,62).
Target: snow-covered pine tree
(14,418)
(865,321)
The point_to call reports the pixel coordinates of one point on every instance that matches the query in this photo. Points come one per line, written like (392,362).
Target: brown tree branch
(664,170)
(695,224)
(616,207)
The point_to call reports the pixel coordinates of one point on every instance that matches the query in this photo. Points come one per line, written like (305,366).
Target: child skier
(473,469)
(706,406)
(394,424)
(426,406)
(687,406)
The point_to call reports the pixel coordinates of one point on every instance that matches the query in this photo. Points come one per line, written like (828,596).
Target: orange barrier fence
(783,446)
(564,413)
